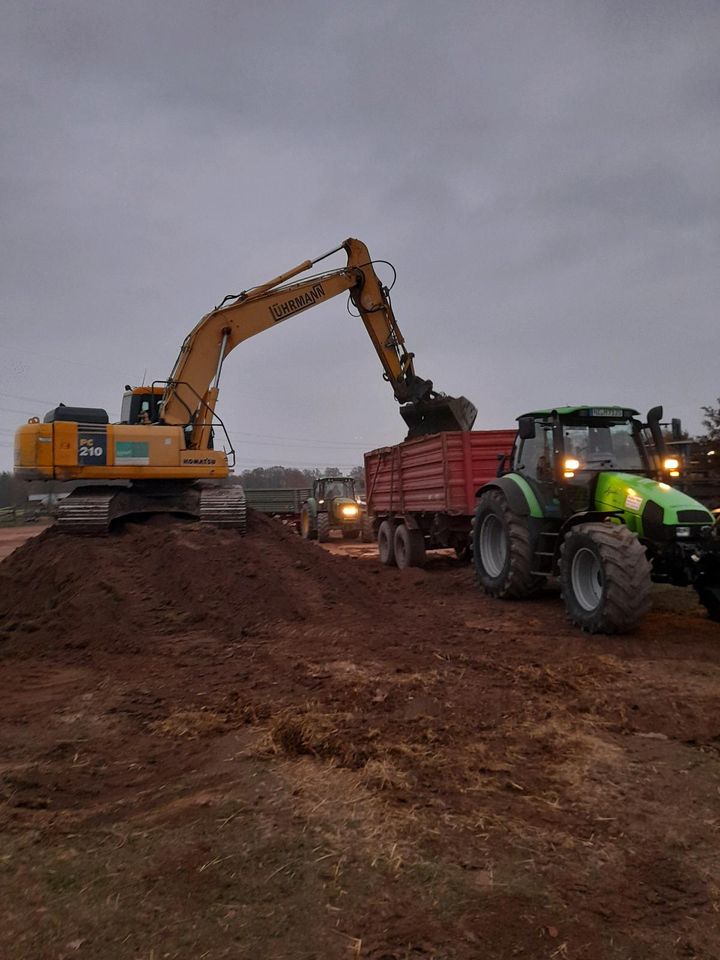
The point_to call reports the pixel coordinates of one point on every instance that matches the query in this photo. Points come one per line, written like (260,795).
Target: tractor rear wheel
(604,577)
(709,599)
(386,543)
(409,547)
(307,528)
(323,527)
(502,549)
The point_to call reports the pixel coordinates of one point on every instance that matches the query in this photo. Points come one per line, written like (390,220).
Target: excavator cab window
(139,407)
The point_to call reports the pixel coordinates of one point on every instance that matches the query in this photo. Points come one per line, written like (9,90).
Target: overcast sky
(544,177)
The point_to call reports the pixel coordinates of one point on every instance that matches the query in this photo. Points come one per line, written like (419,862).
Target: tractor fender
(517,492)
(311,506)
(589,516)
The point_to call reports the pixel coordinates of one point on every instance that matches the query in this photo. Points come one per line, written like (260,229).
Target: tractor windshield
(603,447)
(338,489)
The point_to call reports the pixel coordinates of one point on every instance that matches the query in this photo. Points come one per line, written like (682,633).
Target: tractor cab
(334,488)
(562,452)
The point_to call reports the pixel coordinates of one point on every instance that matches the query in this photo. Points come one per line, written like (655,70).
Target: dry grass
(191,724)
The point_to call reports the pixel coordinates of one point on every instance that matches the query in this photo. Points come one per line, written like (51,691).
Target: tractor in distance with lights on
(588,498)
(333,505)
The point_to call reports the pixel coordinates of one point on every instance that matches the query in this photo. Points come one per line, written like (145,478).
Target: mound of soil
(224,746)
(159,576)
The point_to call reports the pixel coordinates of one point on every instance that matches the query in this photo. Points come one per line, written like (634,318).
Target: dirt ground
(13,537)
(214,746)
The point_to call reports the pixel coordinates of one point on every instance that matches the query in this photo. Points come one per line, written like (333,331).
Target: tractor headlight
(682,531)
(349,510)
(570,465)
(671,463)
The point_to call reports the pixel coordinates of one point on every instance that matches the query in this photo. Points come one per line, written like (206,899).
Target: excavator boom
(192,389)
(161,456)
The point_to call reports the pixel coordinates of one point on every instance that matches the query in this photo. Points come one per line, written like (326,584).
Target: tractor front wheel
(604,577)
(502,549)
(323,527)
(307,528)
(709,599)
(350,534)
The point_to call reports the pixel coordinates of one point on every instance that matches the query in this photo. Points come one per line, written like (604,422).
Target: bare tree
(712,421)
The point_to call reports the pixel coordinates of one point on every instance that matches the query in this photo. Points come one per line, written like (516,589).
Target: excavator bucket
(438,414)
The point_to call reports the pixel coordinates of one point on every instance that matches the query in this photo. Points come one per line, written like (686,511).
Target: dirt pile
(161,576)
(217,746)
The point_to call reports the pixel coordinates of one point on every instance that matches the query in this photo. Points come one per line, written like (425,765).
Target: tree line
(14,492)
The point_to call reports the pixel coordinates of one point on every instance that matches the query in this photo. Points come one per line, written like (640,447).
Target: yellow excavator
(161,456)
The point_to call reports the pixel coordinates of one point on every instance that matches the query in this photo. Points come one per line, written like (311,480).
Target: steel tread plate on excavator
(93,513)
(224,507)
(85,514)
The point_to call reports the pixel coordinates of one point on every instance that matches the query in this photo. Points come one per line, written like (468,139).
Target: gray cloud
(543,176)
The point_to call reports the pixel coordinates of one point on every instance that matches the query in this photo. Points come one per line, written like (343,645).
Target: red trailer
(421,493)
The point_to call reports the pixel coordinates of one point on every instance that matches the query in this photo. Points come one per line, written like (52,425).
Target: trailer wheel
(604,577)
(409,547)
(323,527)
(502,550)
(386,543)
(366,532)
(710,600)
(307,529)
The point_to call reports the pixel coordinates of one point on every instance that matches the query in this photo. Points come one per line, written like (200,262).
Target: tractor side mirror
(526,428)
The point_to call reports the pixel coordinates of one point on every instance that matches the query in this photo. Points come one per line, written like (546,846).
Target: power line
(12,396)
(48,356)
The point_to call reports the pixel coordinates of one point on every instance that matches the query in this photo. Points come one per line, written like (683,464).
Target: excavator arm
(192,390)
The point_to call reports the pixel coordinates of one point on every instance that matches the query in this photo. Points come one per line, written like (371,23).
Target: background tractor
(333,505)
(587,499)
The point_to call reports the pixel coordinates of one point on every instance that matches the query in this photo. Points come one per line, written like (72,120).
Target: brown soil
(13,537)
(215,746)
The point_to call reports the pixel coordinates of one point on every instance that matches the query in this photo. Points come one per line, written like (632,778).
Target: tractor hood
(650,507)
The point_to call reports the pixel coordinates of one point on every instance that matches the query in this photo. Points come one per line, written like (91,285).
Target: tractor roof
(606,413)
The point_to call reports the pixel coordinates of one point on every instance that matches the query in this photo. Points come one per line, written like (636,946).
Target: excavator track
(87,513)
(224,507)
(91,511)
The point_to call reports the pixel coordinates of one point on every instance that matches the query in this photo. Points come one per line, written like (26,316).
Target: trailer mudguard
(518,493)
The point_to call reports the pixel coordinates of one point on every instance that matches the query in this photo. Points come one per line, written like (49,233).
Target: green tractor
(333,505)
(587,499)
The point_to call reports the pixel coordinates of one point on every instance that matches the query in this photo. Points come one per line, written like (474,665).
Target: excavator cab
(141,404)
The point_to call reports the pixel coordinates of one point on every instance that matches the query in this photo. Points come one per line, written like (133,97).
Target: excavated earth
(253,747)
